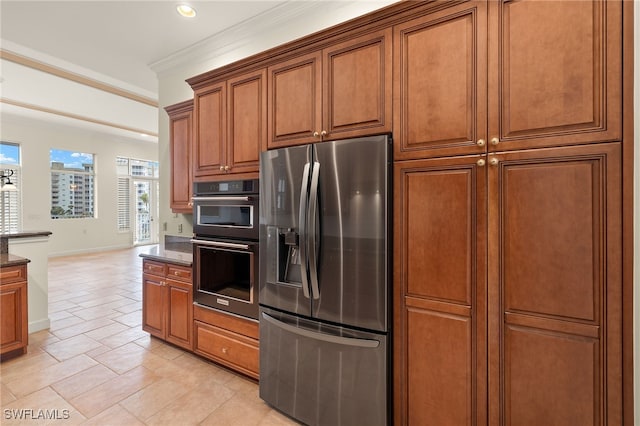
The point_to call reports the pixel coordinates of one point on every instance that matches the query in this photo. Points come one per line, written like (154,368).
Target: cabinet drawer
(151,267)
(11,274)
(181,273)
(233,350)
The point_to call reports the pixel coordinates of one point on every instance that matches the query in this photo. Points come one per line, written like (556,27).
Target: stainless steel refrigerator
(325,277)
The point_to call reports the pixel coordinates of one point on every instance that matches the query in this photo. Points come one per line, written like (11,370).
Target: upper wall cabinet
(555,73)
(552,69)
(230,120)
(342,91)
(440,107)
(180,136)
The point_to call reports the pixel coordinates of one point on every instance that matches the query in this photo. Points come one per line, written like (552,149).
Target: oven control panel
(249,186)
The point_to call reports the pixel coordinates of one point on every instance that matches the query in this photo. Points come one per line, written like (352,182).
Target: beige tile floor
(95,365)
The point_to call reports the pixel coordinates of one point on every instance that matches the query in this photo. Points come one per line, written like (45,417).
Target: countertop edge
(7,259)
(25,234)
(164,257)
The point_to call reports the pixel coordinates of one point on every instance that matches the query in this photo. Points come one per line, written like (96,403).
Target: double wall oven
(225,245)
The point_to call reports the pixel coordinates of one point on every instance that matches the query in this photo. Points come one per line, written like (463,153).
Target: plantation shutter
(10,205)
(124,199)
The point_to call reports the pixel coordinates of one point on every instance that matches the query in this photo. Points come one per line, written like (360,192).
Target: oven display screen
(223,187)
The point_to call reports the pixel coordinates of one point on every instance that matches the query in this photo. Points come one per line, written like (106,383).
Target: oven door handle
(220,198)
(221,244)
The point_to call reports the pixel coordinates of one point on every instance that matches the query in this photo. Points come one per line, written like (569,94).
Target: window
(72,184)
(137,198)
(10,207)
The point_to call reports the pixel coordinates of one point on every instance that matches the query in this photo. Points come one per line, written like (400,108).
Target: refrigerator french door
(325,280)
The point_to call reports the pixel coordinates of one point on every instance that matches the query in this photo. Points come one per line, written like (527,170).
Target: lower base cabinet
(14,334)
(229,340)
(167,299)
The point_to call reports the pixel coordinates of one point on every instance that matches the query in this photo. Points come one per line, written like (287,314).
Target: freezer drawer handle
(348,341)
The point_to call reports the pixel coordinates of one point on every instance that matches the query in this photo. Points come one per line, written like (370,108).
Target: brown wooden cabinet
(227,339)
(180,137)
(14,326)
(555,286)
(550,75)
(508,223)
(440,292)
(167,302)
(230,122)
(440,83)
(341,91)
(509,264)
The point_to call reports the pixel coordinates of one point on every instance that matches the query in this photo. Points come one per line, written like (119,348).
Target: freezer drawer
(321,374)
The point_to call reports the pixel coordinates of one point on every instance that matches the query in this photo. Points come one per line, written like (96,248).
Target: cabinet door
(153,305)
(440,82)
(357,82)
(180,313)
(554,72)
(555,286)
(440,292)
(210,106)
(247,110)
(295,101)
(13,310)
(180,128)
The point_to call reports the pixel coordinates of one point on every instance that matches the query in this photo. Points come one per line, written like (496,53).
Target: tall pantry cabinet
(508,221)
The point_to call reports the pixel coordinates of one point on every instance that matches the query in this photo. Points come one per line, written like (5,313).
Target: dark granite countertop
(25,234)
(6,236)
(174,250)
(7,259)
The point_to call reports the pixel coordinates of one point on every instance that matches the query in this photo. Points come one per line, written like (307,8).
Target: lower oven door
(225,275)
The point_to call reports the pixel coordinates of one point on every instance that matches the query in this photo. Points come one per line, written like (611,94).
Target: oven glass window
(226,273)
(238,216)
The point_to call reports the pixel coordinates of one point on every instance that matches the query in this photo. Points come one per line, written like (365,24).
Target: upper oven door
(232,216)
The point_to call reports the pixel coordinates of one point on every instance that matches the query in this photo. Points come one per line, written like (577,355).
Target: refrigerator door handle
(312,225)
(303,230)
(347,341)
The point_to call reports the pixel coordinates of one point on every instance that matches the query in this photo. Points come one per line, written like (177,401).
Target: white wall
(71,236)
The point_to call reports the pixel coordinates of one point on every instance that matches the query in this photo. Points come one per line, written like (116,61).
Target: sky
(9,153)
(71,160)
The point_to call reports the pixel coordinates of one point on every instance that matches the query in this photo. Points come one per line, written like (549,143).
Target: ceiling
(91,63)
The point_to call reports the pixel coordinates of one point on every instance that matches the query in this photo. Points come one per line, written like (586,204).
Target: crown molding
(243,37)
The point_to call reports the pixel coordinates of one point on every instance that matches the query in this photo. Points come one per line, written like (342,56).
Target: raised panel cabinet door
(295,101)
(247,109)
(555,286)
(181,129)
(440,292)
(180,311)
(357,82)
(13,321)
(154,305)
(555,73)
(210,116)
(440,83)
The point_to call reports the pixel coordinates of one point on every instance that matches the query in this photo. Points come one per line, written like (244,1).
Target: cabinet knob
(323,133)
(226,168)
(480,142)
(225,351)
(176,273)
(493,161)
(316,134)
(221,168)
(495,141)
(481,162)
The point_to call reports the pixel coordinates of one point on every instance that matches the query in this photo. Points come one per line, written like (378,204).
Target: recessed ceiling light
(186,11)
